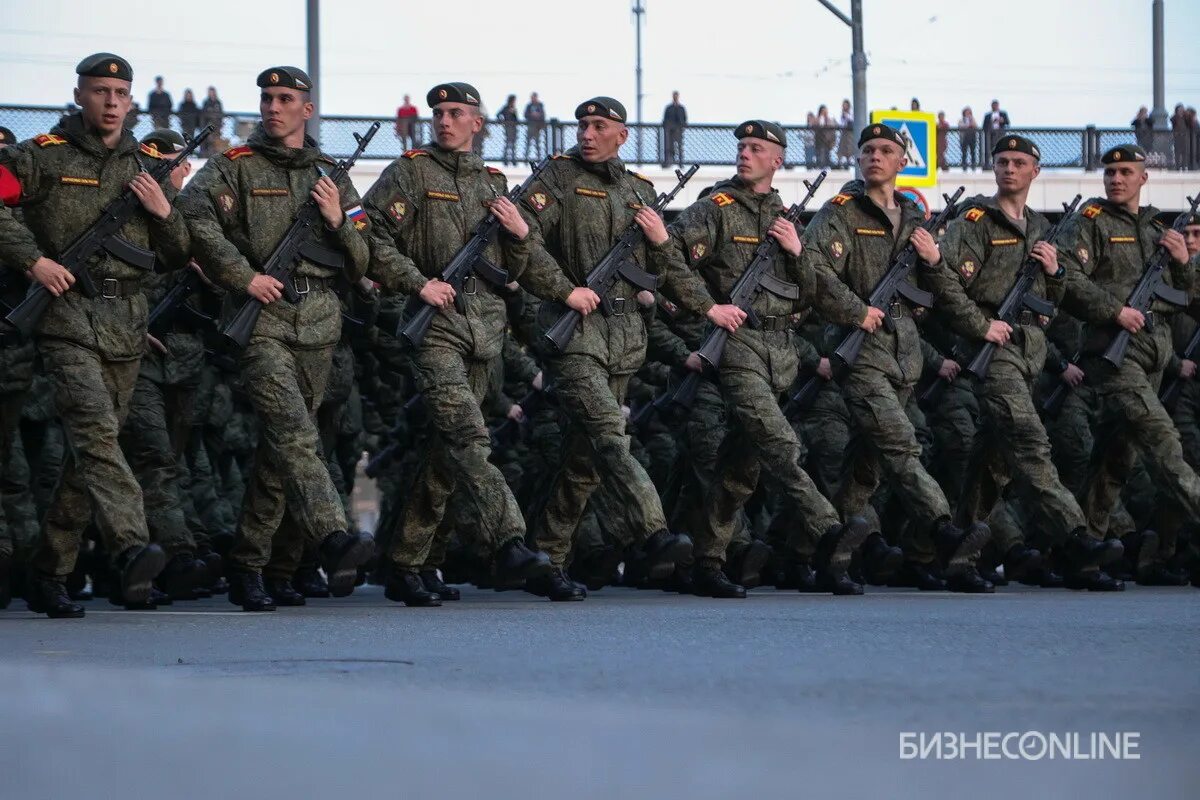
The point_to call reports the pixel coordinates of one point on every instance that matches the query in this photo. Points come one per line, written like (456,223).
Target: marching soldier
(423,209)
(851,242)
(238,207)
(91,346)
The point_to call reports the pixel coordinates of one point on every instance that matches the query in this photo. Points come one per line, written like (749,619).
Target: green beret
(287,77)
(164,140)
(457,92)
(877,130)
(105,65)
(761,129)
(6,136)
(1016,144)
(601,107)
(1123,152)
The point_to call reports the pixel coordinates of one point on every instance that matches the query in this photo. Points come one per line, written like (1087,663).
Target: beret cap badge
(112,67)
(274,77)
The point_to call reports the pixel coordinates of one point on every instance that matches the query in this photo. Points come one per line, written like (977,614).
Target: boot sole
(136,582)
(344,573)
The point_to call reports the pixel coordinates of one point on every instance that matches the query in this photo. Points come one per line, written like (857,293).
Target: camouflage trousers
(10,429)
(706,428)
(92,397)
(289,476)
(595,445)
(759,439)
(454,386)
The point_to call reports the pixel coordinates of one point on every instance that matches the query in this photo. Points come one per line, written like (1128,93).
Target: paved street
(631,694)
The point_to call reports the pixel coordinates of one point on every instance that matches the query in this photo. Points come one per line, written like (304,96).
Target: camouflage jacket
(423,209)
(1106,253)
(65,179)
(850,245)
(238,207)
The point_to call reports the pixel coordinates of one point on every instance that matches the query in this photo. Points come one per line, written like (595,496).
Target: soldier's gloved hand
(150,195)
(510,218)
(53,275)
(265,289)
(1131,319)
(998,332)
(825,369)
(949,370)
(329,201)
(726,316)
(583,300)
(1072,376)
(516,413)
(926,247)
(1048,255)
(785,233)
(651,224)
(872,320)
(1176,245)
(693,363)
(436,293)
(1187,369)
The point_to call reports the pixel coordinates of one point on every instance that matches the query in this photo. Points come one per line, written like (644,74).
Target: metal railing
(707,145)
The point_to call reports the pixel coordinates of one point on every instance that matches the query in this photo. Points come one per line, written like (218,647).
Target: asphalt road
(630,694)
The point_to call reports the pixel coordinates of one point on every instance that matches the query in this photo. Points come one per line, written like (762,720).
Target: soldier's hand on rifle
(1131,319)
(510,218)
(516,413)
(1047,254)
(155,344)
(693,363)
(651,224)
(436,293)
(195,267)
(949,370)
(583,300)
(1173,241)
(872,320)
(785,233)
(53,275)
(1072,376)
(329,201)
(726,316)
(825,369)
(926,247)
(537,381)
(265,289)
(150,195)
(1187,369)
(998,332)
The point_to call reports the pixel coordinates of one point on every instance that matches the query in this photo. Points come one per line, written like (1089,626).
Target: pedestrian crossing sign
(920,131)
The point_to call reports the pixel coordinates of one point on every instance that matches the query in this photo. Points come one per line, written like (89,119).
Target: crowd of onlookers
(1178,143)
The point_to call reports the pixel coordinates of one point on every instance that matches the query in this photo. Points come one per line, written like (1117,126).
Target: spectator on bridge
(535,122)
(674,121)
(508,116)
(943,128)
(213,113)
(994,122)
(159,104)
(915,105)
(1143,129)
(406,124)
(1179,131)
(1193,138)
(824,136)
(189,114)
(846,146)
(968,139)
(809,137)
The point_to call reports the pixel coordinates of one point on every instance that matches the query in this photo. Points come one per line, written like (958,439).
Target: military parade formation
(556,389)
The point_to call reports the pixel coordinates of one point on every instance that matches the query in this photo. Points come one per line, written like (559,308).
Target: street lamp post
(858,59)
(639,11)
(314,65)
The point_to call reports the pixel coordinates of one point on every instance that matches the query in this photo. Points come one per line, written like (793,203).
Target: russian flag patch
(358,217)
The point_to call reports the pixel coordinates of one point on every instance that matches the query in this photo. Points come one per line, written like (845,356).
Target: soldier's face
(180,173)
(600,138)
(1191,237)
(455,125)
(1015,171)
(1123,182)
(757,159)
(284,111)
(104,102)
(880,161)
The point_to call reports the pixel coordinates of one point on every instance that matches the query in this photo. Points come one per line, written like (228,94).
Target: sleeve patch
(1082,255)
(539,201)
(975,214)
(397,209)
(967,269)
(836,248)
(357,216)
(698,251)
(225,201)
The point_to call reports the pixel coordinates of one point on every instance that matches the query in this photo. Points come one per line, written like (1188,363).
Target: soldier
(982,252)
(851,241)
(238,207)
(718,236)
(423,209)
(91,347)
(1107,247)
(582,202)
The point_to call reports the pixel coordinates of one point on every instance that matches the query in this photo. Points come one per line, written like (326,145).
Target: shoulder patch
(1092,211)
(151,150)
(414,153)
(48,139)
(234,153)
(560,157)
(841,199)
(641,176)
(721,199)
(494,171)
(975,214)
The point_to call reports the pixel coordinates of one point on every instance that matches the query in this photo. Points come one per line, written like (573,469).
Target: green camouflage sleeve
(662,344)
(963,253)
(690,240)
(825,255)
(223,263)
(518,365)
(1183,277)
(515,251)
(810,357)
(350,236)
(1084,297)
(391,210)
(18,248)
(541,206)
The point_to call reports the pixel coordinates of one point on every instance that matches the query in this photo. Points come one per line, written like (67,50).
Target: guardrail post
(1090,142)
(555,145)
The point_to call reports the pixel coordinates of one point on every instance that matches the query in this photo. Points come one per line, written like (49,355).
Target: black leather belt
(898,310)
(112,288)
(778,323)
(618,306)
(305,284)
(1027,317)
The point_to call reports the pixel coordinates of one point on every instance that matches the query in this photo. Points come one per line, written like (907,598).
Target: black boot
(957,547)
(341,555)
(709,582)
(434,583)
(1093,580)
(246,590)
(49,596)
(803,578)
(661,550)
(5,580)
(1085,551)
(918,576)
(745,567)
(1160,575)
(138,567)
(556,586)
(182,575)
(515,562)
(834,553)
(598,569)
(283,593)
(1021,561)
(405,586)
(968,581)
(308,582)
(880,560)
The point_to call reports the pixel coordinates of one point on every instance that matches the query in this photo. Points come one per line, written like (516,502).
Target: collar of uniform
(610,171)
(736,187)
(908,209)
(71,128)
(290,157)
(454,161)
(991,205)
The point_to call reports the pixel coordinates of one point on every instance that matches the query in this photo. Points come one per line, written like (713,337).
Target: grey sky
(1050,62)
